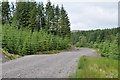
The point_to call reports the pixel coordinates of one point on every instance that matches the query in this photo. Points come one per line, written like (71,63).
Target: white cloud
(89,14)
(92,15)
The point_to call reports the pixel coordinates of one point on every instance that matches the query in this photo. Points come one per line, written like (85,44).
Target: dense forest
(106,41)
(35,16)
(29,27)
(36,28)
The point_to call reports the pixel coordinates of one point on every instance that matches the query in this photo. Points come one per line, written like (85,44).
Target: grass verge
(96,68)
(9,55)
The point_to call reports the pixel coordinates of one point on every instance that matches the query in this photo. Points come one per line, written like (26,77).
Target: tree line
(30,27)
(52,19)
(105,40)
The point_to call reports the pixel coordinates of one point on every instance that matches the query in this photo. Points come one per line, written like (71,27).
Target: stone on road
(59,65)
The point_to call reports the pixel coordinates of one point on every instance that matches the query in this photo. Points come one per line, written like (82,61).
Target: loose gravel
(59,65)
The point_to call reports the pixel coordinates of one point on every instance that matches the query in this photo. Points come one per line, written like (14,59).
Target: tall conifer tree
(32,15)
(40,16)
(64,23)
(5,12)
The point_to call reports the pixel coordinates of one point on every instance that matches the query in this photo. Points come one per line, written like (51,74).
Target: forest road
(59,65)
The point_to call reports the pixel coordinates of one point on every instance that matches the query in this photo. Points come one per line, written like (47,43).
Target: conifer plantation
(106,41)
(30,27)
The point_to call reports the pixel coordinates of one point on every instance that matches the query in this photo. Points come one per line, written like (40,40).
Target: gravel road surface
(59,65)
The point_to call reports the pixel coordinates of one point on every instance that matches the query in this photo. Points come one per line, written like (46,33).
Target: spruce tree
(12,11)
(52,22)
(5,12)
(49,16)
(40,16)
(57,18)
(32,14)
(22,14)
(17,14)
(64,23)
(0,12)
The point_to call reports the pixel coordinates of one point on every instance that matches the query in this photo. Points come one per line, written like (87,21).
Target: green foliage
(20,16)
(34,27)
(35,16)
(32,14)
(64,23)
(82,41)
(5,12)
(96,68)
(40,20)
(10,56)
(24,41)
(105,40)
(109,50)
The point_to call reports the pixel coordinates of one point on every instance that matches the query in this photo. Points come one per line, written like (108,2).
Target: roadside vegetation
(9,56)
(96,68)
(30,28)
(34,28)
(25,42)
(106,43)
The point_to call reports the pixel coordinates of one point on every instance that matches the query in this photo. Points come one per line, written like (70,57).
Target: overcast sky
(90,14)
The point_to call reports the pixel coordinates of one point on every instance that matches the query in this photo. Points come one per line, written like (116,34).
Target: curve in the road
(59,65)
